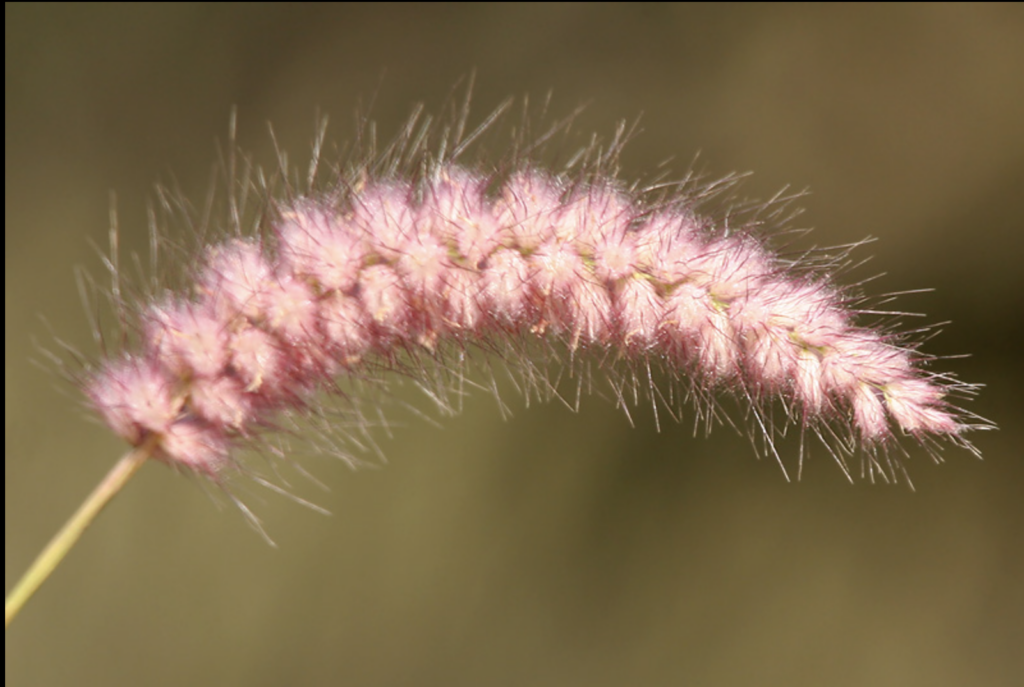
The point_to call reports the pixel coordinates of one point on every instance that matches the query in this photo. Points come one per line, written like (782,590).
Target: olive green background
(553,548)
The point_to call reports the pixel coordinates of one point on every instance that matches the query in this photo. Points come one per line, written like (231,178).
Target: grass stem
(62,542)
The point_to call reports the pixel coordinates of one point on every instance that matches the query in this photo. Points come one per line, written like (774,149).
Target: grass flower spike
(404,260)
(458,258)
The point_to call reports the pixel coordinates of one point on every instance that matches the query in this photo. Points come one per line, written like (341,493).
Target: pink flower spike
(414,260)
(407,262)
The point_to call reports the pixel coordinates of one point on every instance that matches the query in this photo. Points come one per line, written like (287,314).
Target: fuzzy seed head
(383,271)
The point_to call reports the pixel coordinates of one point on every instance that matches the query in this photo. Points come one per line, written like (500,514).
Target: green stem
(62,542)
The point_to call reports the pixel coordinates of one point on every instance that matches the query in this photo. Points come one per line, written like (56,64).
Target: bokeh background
(553,548)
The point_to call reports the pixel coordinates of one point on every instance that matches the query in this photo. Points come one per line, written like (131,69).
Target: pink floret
(290,309)
(195,445)
(528,207)
(135,396)
(869,414)
(455,210)
(189,338)
(384,299)
(322,245)
(913,404)
(382,216)
(257,359)
(235,277)
(222,401)
(506,286)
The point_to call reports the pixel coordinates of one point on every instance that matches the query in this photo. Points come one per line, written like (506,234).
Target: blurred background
(552,548)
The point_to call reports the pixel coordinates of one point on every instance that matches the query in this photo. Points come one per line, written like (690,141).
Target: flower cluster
(461,257)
